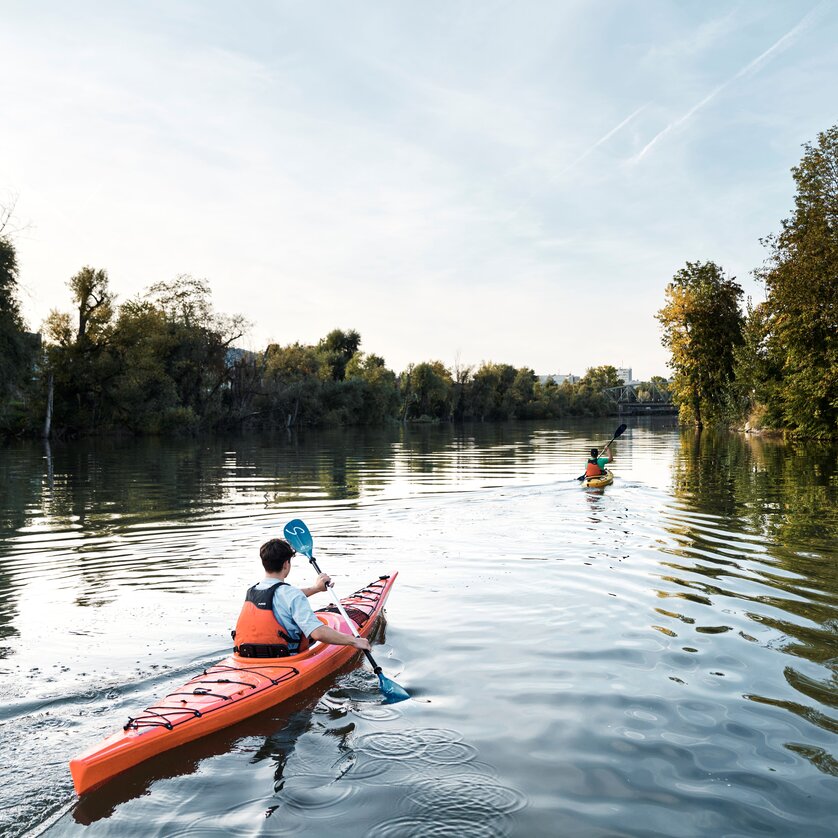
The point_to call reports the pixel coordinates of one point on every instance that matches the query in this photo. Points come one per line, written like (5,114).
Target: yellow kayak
(598,482)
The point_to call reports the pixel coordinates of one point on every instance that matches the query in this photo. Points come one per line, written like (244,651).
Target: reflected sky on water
(658,657)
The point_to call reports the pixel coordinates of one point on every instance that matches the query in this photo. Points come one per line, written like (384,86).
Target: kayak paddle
(618,432)
(299,537)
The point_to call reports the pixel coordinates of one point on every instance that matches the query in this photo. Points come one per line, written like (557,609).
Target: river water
(656,658)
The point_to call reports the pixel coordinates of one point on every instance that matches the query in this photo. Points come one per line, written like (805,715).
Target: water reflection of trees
(783,493)
(85,495)
(343,464)
(21,467)
(755,509)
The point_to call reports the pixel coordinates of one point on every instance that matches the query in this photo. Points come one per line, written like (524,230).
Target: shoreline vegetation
(773,367)
(166,362)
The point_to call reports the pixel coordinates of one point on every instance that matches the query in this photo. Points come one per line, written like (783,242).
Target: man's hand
(328,635)
(323,580)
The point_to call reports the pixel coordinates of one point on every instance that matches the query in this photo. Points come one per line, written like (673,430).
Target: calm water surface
(656,658)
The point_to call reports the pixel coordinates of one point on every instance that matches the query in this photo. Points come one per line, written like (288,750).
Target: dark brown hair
(274,554)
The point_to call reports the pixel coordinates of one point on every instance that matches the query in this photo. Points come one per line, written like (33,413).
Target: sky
(463,181)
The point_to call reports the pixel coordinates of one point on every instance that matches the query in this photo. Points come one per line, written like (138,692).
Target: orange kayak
(231,690)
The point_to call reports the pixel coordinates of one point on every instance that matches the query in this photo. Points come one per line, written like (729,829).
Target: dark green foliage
(377,387)
(16,349)
(777,367)
(427,391)
(154,365)
(598,378)
(337,349)
(800,316)
(80,358)
(488,394)
(163,364)
(702,326)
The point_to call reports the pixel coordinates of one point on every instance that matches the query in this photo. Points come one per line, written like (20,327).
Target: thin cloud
(706,36)
(752,66)
(600,141)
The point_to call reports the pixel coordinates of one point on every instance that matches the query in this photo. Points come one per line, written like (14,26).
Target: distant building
(234,355)
(558,378)
(625,374)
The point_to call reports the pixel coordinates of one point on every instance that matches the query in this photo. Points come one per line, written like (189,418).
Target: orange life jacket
(593,469)
(258,633)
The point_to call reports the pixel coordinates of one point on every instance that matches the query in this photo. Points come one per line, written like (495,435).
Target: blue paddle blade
(298,536)
(391,691)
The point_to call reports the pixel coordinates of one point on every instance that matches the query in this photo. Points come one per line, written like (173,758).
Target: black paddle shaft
(375,667)
(619,432)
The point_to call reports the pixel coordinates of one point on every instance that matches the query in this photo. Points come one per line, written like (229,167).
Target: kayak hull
(231,690)
(598,482)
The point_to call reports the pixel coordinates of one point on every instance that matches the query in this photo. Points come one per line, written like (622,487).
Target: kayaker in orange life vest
(276,619)
(596,465)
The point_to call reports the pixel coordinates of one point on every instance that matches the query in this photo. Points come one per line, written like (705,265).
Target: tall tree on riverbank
(426,391)
(801,308)
(337,349)
(78,358)
(702,325)
(15,350)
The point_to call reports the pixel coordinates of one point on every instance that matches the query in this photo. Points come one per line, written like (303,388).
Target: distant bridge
(640,399)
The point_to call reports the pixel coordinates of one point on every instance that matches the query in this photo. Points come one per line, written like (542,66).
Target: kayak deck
(598,482)
(227,692)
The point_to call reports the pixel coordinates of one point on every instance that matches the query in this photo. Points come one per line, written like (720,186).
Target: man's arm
(319,586)
(337,638)
(310,625)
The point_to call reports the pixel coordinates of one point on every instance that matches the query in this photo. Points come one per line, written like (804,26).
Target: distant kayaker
(596,465)
(276,619)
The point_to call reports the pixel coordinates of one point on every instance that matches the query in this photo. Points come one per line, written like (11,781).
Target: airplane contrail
(750,67)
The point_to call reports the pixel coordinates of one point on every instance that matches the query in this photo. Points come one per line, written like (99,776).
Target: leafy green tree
(758,371)
(660,384)
(16,353)
(293,382)
(153,365)
(145,396)
(600,378)
(486,392)
(426,391)
(78,358)
(551,399)
(380,395)
(94,303)
(337,349)
(801,280)
(198,344)
(702,326)
(520,395)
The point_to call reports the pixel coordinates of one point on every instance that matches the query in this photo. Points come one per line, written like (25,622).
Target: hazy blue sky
(452,179)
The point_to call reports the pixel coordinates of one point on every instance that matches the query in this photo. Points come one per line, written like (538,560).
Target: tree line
(166,362)
(775,364)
